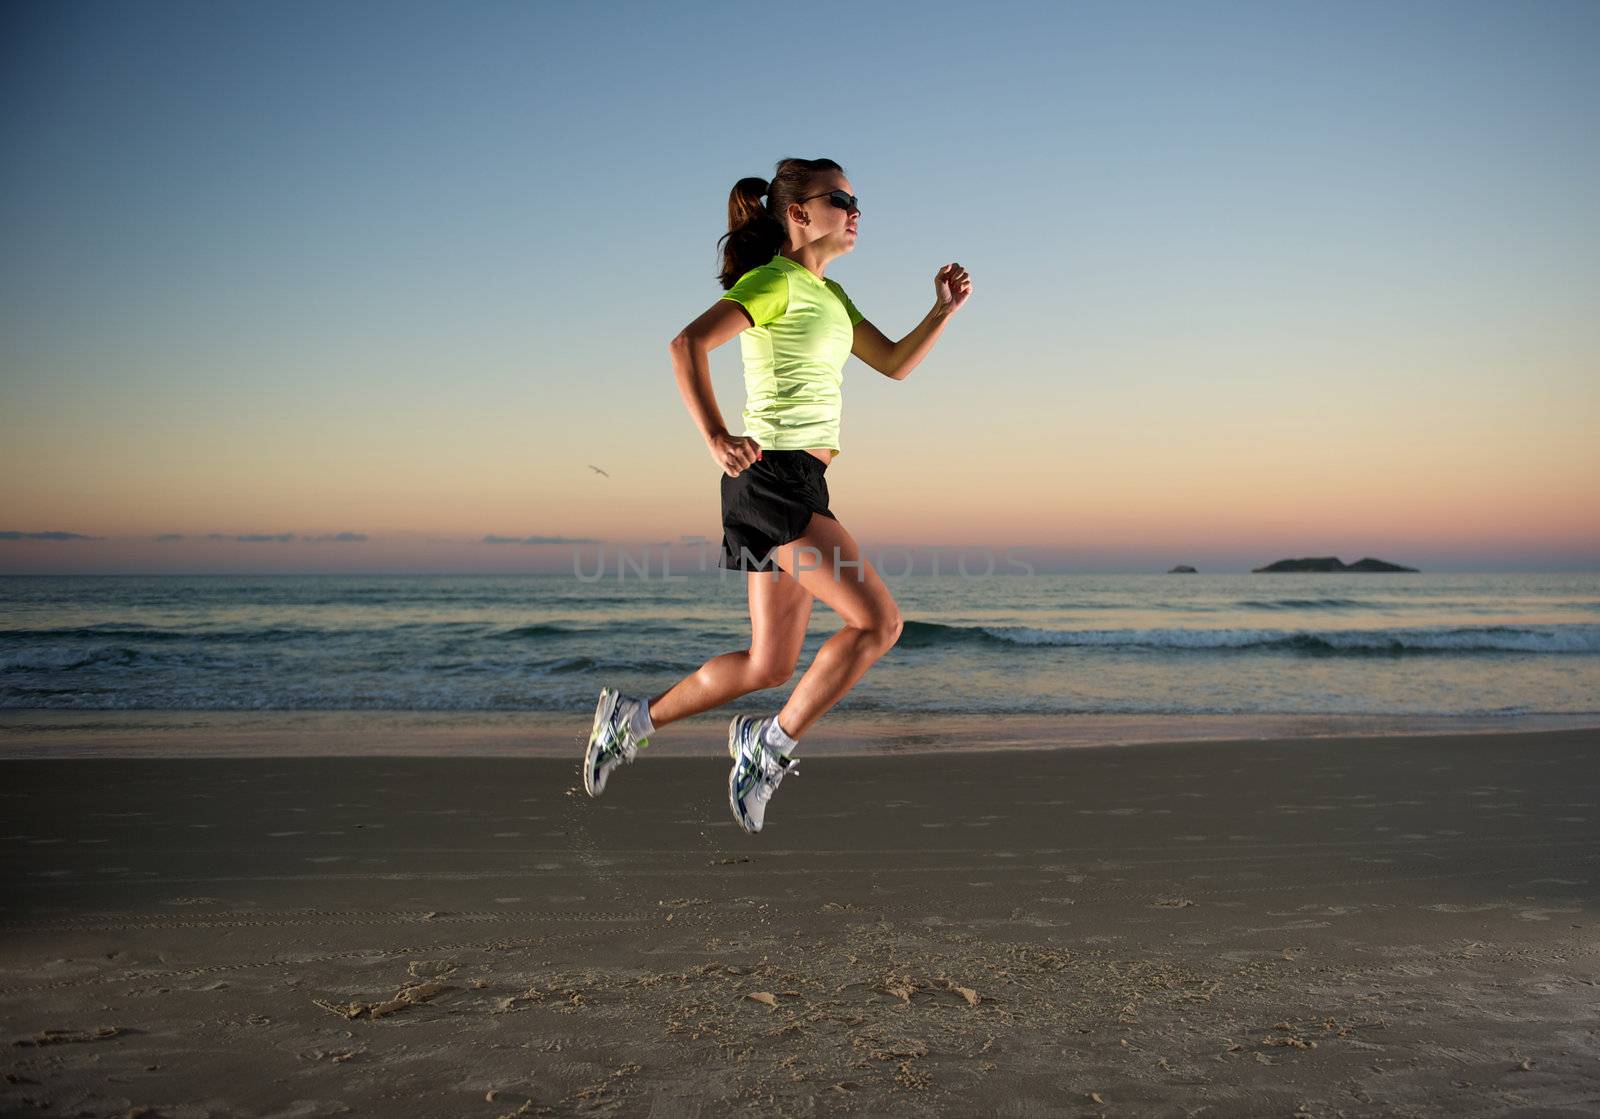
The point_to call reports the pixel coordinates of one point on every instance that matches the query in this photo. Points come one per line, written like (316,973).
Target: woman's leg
(779,610)
(828,564)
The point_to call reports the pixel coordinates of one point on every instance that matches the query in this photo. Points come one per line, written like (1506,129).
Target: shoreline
(51,733)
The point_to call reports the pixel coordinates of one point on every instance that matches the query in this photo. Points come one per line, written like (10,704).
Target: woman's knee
(885,628)
(770,674)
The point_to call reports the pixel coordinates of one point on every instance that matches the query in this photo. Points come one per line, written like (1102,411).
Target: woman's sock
(642,726)
(773,735)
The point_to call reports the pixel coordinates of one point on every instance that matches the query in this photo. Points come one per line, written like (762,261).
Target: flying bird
(597,470)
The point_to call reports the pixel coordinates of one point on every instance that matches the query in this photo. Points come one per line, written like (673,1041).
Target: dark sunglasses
(839,198)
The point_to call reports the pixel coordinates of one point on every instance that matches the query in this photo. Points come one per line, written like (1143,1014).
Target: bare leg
(779,610)
(827,562)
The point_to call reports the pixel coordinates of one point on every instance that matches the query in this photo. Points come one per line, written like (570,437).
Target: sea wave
(1299,603)
(204,635)
(535,632)
(1553,639)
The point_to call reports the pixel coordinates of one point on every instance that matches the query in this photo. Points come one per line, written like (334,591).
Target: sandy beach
(1294,927)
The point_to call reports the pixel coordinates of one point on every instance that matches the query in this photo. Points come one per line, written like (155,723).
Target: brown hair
(756,230)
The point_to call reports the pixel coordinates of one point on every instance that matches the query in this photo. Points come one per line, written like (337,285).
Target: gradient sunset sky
(368,287)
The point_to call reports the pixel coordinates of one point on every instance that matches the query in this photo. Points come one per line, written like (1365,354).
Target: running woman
(796,328)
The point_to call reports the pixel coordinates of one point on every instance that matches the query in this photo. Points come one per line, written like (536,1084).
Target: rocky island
(1332,563)
(1183,569)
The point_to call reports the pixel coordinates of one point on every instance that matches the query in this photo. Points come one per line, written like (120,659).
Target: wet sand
(1315,926)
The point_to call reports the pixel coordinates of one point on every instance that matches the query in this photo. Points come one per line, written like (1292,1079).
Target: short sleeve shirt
(794,354)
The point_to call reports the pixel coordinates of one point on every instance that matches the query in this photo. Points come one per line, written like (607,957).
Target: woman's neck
(813,261)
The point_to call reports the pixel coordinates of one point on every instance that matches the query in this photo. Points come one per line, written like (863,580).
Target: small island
(1332,563)
(1183,569)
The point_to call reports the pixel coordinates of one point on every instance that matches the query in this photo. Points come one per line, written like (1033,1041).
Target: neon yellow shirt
(794,355)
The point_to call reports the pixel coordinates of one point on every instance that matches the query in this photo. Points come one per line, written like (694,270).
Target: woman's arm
(952,286)
(691,366)
(898,359)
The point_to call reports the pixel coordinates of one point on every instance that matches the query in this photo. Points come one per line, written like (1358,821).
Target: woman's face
(827,225)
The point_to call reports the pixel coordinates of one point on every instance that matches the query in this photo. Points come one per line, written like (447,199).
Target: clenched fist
(734,453)
(953,286)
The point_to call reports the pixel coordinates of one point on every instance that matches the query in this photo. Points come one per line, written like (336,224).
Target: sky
(370,287)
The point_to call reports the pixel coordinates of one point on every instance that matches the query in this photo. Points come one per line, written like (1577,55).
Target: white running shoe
(757,769)
(611,741)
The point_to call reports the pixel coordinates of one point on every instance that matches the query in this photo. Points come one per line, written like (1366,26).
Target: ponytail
(757,230)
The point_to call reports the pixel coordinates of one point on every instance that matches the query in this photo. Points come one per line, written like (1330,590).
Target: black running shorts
(770,503)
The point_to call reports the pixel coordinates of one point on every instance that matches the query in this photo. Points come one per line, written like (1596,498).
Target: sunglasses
(839,198)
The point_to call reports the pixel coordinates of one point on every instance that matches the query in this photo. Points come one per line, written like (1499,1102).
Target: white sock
(640,720)
(773,735)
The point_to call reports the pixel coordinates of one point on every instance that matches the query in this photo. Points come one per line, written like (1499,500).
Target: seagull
(597,470)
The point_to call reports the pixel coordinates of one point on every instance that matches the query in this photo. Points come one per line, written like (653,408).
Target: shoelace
(621,745)
(764,774)
(775,771)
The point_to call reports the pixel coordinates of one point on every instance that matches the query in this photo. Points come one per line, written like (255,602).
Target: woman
(796,330)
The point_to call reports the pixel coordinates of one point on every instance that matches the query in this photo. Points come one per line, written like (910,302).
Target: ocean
(1397,646)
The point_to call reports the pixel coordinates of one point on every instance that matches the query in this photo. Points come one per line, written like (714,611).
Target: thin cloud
(262,538)
(14,535)
(490,538)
